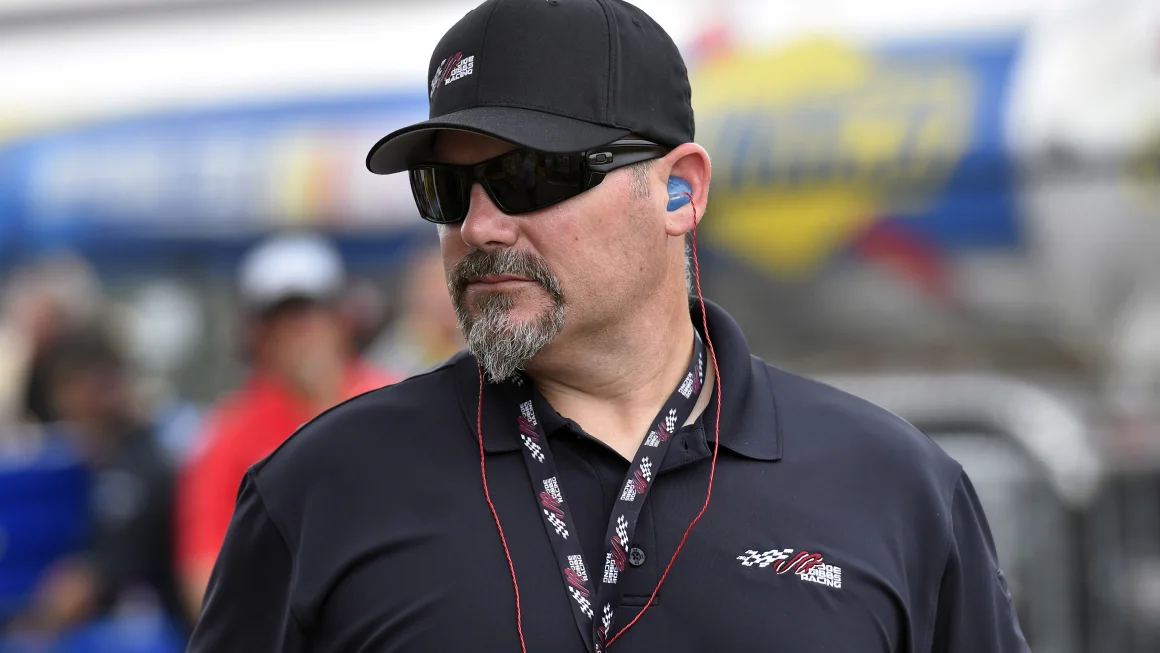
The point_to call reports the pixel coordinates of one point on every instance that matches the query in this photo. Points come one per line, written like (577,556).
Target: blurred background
(952,209)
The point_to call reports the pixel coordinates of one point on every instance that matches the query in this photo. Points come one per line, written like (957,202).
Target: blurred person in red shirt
(304,361)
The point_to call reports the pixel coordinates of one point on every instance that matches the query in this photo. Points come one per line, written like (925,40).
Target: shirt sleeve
(248,606)
(975,610)
(207,489)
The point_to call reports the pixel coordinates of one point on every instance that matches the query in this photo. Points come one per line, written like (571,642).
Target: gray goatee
(503,346)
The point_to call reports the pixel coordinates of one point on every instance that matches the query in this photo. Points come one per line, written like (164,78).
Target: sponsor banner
(210,174)
(816,144)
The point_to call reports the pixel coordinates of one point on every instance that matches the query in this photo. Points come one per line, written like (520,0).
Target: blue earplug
(680,193)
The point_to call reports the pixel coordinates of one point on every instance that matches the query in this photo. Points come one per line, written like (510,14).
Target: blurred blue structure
(199,186)
(136,634)
(43,516)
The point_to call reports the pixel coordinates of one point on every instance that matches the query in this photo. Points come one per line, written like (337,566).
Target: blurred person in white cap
(303,361)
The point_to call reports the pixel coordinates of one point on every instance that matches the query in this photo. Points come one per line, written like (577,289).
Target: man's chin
(519,306)
(514,319)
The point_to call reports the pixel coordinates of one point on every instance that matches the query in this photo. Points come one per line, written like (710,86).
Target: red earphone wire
(716,440)
(708,491)
(487,494)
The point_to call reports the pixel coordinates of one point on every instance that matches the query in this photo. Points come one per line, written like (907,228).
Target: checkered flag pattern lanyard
(594,592)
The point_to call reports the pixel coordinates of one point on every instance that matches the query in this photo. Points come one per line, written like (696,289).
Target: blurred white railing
(1049,429)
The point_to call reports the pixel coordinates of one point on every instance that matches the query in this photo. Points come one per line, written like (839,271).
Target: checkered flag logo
(557,523)
(582,601)
(622,529)
(606,618)
(528,412)
(686,388)
(765,558)
(646,469)
(629,493)
(611,573)
(671,421)
(701,367)
(537,452)
(653,440)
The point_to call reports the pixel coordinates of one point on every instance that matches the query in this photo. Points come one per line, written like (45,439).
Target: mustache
(479,263)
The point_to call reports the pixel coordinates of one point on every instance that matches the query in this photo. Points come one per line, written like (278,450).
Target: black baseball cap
(551,75)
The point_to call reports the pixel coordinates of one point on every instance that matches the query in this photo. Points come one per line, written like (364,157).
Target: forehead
(461,147)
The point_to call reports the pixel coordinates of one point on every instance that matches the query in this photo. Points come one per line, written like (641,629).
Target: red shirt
(245,428)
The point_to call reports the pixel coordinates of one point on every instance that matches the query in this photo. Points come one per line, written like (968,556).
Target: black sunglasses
(522,180)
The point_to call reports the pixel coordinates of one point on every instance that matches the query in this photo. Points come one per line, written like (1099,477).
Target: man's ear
(689,162)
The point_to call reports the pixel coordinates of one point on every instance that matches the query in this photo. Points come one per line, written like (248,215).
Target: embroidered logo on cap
(451,69)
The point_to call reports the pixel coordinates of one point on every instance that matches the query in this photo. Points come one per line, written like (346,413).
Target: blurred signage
(821,144)
(212,173)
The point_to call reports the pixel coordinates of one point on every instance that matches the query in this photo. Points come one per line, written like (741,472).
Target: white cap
(291,266)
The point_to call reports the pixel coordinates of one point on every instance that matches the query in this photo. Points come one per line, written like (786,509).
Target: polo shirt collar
(749,419)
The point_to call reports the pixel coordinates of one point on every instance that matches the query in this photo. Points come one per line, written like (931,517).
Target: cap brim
(529,128)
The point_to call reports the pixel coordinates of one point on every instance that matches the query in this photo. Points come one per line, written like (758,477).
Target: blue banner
(181,181)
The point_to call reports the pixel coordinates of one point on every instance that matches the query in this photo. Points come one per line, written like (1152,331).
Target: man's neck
(614,383)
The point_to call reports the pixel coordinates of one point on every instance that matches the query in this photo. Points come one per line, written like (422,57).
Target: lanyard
(585,590)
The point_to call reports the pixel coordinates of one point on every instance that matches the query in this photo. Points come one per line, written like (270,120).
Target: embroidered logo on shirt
(808,566)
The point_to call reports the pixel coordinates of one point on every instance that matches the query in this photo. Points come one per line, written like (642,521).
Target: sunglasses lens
(441,193)
(523,180)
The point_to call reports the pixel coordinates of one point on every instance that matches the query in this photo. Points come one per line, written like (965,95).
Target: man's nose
(486,227)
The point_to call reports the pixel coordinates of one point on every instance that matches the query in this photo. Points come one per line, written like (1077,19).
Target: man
(303,363)
(130,554)
(505,500)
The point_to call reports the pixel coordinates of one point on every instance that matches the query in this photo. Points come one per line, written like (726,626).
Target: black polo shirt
(834,526)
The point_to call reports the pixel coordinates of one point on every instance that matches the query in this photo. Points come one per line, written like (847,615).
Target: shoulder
(851,435)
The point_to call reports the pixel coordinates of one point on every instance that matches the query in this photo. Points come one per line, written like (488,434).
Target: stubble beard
(502,345)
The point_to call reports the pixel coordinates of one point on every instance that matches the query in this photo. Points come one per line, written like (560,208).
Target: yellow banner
(812,142)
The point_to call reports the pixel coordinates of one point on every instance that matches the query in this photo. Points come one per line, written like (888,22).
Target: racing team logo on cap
(450,70)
